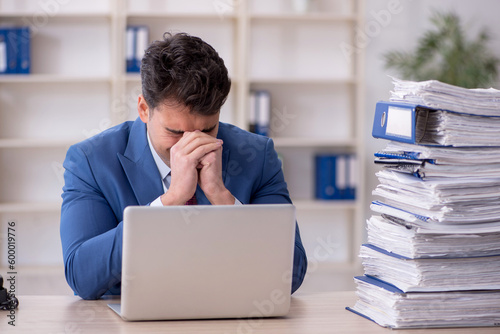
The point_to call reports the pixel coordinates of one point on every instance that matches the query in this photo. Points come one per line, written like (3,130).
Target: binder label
(3,55)
(399,122)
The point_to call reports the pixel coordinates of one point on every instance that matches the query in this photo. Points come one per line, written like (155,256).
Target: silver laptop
(201,262)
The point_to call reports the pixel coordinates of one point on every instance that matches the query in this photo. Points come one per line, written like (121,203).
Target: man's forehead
(172,105)
(179,121)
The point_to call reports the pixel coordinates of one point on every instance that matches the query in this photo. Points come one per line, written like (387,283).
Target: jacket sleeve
(91,236)
(273,189)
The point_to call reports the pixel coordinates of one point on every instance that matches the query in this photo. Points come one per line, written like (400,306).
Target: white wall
(401,31)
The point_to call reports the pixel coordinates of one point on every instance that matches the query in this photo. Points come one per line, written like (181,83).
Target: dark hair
(186,70)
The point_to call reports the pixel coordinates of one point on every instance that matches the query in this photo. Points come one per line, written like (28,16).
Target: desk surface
(314,313)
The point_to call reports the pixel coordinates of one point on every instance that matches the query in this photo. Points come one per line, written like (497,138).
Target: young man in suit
(175,153)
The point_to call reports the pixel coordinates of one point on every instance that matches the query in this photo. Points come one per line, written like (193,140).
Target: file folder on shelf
(8,54)
(3,52)
(260,112)
(24,50)
(137,39)
(327,175)
(15,50)
(335,176)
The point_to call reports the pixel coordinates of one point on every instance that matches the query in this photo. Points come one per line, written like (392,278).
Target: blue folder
(396,121)
(15,46)
(24,50)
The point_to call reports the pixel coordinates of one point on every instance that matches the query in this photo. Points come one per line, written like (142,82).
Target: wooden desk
(315,313)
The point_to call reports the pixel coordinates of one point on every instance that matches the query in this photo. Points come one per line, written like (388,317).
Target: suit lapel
(139,166)
(225,159)
(221,134)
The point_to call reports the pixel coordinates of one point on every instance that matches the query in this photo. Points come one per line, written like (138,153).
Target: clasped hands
(196,159)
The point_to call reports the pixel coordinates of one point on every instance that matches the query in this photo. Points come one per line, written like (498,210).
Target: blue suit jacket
(115,169)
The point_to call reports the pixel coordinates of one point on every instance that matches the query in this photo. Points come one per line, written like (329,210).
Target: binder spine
(252,115)
(137,39)
(12,50)
(352,177)
(263,112)
(395,121)
(130,48)
(24,50)
(141,44)
(335,177)
(3,52)
(15,45)
(326,177)
(341,175)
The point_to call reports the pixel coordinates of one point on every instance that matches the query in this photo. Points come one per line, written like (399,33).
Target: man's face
(168,122)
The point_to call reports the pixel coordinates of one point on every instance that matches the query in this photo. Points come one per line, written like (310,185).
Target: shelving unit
(64,100)
(317,108)
(78,87)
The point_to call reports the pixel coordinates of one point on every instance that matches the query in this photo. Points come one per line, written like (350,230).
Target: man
(174,153)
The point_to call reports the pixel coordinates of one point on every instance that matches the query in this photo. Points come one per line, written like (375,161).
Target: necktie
(192,200)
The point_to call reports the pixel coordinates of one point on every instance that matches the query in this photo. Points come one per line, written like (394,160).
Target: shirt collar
(162,166)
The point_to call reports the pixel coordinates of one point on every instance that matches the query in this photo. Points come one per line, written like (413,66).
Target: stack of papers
(439,184)
(444,155)
(427,162)
(391,307)
(444,201)
(432,274)
(433,252)
(426,240)
(442,127)
(438,95)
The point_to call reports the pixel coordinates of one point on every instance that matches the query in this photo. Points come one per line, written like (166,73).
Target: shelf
(325,204)
(19,207)
(302,81)
(51,78)
(33,20)
(313,142)
(37,143)
(313,17)
(180,16)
